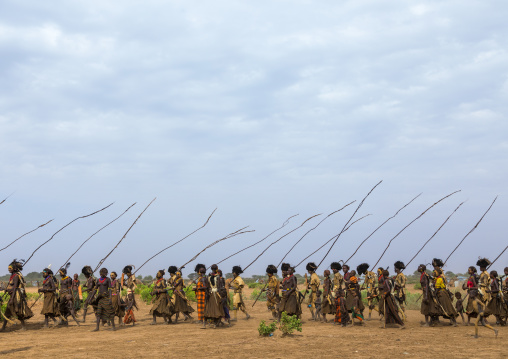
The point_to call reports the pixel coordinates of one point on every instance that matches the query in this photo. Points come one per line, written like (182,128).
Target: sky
(263,110)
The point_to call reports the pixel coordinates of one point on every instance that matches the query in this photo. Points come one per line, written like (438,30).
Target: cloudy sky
(262,109)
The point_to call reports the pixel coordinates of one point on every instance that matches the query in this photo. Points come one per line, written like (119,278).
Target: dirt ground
(317,340)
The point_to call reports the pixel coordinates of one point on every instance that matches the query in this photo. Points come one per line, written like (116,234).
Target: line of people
(340,296)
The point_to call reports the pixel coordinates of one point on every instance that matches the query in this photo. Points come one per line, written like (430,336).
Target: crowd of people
(340,296)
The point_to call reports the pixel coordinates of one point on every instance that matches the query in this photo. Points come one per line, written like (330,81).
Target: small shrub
(289,323)
(146,294)
(266,330)
(255,294)
(418,286)
(190,294)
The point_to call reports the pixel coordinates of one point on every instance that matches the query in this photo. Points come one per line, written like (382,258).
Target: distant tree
(256,277)
(140,277)
(450,274)
(148,278)
(192,276)
(229,275)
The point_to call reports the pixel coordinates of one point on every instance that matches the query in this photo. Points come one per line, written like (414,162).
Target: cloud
(281,105)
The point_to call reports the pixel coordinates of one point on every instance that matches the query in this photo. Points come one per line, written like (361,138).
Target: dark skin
(89,286)
(288,286)
(345,269)
(11,291)
(75,282)
(424,281)
(116,285)
(48,286)
(103,288)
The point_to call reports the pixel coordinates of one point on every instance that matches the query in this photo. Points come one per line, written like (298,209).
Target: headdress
(271,269)
(362,268)
(335,265)
(237,269)
(483,262)
(17,265)
(87,270)
(172,269)
(198,267)
(399,265)
(311,266)
(63,270)
(436,262)
(127,269)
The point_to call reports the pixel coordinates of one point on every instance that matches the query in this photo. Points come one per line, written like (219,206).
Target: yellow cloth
(440,283)
(314,282)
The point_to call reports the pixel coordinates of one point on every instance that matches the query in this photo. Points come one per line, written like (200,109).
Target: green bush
(418,286)
(289,323)
(253,285)
(266,330)
(145,292)
(255,294)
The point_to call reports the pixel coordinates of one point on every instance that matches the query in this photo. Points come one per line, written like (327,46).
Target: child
(342,314)
(480,306)
(355,310)
(317,303)
(459,306)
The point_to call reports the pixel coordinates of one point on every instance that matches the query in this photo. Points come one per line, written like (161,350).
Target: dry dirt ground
(317,340)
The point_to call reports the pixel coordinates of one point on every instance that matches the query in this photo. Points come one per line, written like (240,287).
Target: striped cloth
(200,298)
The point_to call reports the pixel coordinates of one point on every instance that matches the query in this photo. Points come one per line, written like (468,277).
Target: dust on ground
(317,340)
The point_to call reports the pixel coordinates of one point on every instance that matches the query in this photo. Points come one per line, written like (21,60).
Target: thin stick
(68,224)
(504,250)
(271,244)
(410,223)
(6,198)
(471,231)
(125,235)
(382,224)
(331,239)
(33,230)
(350,219)
(82,244)
(313,228)
(455,210)
(231,235)
(190,234)
(252,245)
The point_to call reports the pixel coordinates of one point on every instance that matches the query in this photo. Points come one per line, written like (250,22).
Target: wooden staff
(155,255)
(278,265)
(471,231)
(504,250)
(455,210)
(410,223)
(68,224)
(33,230)
(82,244)
(328,241)
(6,198)
(252,245)
(382,224)
(271,244)
(125,235)
(313,228)
(230,235)
(345,225)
